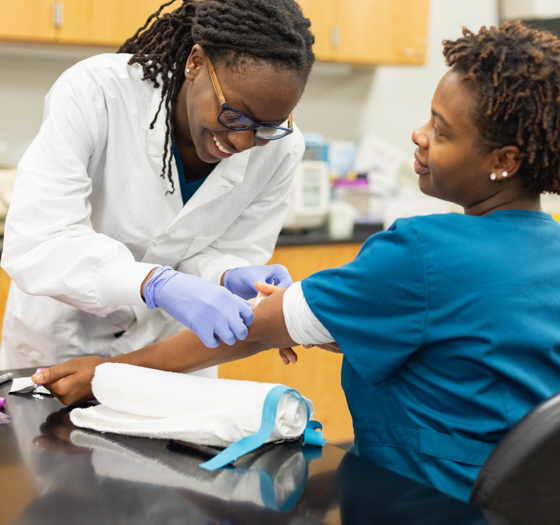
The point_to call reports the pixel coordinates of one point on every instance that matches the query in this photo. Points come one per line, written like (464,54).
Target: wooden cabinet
(351,31)
(103,22)
(369,31)
(317,373)
(27,20)
(382,31)
(322,14)
(82,22)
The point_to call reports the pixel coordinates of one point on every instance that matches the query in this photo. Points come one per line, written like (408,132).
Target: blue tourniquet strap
(313,434)
(254,441)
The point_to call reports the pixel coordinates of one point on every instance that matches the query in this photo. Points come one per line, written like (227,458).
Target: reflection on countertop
(78,477)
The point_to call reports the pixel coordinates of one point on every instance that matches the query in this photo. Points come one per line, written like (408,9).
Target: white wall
(26,75)
(529,9)
(400,97)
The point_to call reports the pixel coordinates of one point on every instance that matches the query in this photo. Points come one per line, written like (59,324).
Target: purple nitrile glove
(207,309)
(240,281)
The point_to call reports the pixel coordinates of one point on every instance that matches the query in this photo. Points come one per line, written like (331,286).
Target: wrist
(155,283)
(145,282)
(225,279)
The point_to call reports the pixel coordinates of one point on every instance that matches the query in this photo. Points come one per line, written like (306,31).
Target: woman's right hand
(70,382)
(209,310)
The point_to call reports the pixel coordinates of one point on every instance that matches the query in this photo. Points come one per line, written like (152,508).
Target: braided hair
(229,31)
(516,71)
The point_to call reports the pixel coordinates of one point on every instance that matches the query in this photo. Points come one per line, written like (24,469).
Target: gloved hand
(241,281)
(205,308)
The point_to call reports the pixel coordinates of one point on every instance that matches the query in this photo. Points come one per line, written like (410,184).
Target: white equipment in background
(530,9)
(309,204)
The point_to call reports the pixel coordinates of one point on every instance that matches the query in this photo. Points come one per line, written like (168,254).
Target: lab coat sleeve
(251,238)
(50,247)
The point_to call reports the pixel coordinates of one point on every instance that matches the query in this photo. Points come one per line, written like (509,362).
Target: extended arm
(71,381)
(185,352)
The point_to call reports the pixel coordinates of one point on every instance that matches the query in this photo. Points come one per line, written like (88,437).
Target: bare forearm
(71,381)
(186,352)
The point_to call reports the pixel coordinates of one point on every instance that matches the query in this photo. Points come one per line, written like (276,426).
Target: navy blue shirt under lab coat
(450,330)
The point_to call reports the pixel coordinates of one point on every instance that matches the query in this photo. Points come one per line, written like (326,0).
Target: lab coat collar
(221,181)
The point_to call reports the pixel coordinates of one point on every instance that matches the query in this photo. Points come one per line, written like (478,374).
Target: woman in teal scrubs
(449,324)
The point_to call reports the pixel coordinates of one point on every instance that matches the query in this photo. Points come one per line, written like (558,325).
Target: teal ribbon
(311,436)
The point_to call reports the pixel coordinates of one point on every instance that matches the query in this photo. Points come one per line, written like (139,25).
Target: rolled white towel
(140,401)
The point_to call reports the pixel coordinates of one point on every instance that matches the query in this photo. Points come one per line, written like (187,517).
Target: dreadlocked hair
(516,71)
(229,31)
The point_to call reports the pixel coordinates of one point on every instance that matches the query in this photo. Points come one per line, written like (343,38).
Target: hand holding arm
(207,309)
(242,281)
(71,381)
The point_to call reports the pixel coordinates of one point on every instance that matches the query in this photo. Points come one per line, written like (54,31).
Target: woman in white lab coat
(144,192)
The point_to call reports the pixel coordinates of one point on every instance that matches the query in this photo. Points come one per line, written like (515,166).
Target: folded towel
(216,412)
(273,478)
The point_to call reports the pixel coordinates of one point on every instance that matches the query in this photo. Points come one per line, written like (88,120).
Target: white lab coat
(90,217)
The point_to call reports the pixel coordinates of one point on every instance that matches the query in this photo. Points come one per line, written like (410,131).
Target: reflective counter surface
(53,473)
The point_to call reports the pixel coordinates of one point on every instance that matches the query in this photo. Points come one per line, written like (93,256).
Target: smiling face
(257,88)
(451,162)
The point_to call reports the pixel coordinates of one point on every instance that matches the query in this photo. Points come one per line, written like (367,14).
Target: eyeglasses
(233,119)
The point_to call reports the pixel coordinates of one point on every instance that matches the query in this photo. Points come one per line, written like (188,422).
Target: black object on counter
(362,231)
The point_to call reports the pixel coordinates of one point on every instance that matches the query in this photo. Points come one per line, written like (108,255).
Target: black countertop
(321,236)
(79,477)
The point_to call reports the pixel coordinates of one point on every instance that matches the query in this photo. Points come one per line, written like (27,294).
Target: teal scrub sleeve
(375,306)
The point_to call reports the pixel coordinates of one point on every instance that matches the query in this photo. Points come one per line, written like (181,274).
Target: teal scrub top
(188,188)
(450,330)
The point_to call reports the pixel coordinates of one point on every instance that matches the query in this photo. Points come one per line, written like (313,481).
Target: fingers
(245,311)
(238,328)
(268,289)
(53,443)
(281,276)
(54,373)
(331,347)
(73,389)
(253,301)
(288,356)
(223,331)
(209,339)
(227,325)
(61,389)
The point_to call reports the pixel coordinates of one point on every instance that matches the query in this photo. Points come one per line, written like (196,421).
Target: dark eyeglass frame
(253,123)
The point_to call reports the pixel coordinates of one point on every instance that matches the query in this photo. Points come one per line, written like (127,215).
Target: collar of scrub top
(252,123)
(188,188)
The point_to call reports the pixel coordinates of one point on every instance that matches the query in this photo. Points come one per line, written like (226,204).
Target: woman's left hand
(241,281)
(70,382)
